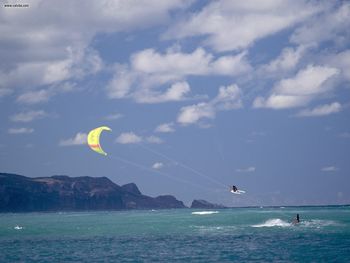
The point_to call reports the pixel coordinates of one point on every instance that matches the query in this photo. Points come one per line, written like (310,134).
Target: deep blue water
(179,235)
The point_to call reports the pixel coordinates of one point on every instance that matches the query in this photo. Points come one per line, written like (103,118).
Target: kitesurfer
(296,220)
(234,188)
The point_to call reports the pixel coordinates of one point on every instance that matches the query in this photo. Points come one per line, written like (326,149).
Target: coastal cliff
(63,193)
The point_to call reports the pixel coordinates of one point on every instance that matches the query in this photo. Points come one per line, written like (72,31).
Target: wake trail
(273,222)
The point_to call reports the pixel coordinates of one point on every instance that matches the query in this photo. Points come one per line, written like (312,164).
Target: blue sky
(199,95)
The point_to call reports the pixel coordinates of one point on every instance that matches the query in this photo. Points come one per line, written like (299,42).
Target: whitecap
(317,223)
(215,229)
(273,222)
(205,212)
(18,227)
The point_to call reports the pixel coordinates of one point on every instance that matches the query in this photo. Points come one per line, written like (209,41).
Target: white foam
(316,223)
(205,212)
(18,227)
(215,229)
(273,222)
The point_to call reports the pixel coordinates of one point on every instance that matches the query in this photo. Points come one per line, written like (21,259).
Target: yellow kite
(93,139)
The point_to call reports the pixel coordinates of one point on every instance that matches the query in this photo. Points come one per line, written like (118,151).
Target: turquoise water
(179,235)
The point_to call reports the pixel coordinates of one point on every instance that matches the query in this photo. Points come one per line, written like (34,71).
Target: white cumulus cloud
(228,98)
(33,97)
(28,116)
(20,130)
(165,127)
(299,90)
(193,113)
(157,165)
(286,61)
(321,110)
(329,169)
(176,92)
(246,170)
(114,116)
(231,25)
(79,139)
(341,61)
(330,25)
(39,49)
(147,78)
(132,138)
(128,138)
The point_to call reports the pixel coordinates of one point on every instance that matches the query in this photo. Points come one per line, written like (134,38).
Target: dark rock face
(23,194)
(168,200)
(132,188)
(205,205)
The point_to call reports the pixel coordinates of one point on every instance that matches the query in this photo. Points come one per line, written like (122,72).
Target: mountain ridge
(19,193)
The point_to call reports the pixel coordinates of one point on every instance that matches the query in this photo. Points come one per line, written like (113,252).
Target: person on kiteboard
(234,188)
(296,220)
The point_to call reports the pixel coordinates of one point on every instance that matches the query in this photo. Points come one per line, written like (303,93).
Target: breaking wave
(205,212)
(273,222)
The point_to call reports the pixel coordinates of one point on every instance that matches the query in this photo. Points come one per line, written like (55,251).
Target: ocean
(178,235)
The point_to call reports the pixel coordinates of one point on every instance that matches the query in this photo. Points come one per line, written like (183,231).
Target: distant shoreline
(61,193)
(184,208)
(289,206)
